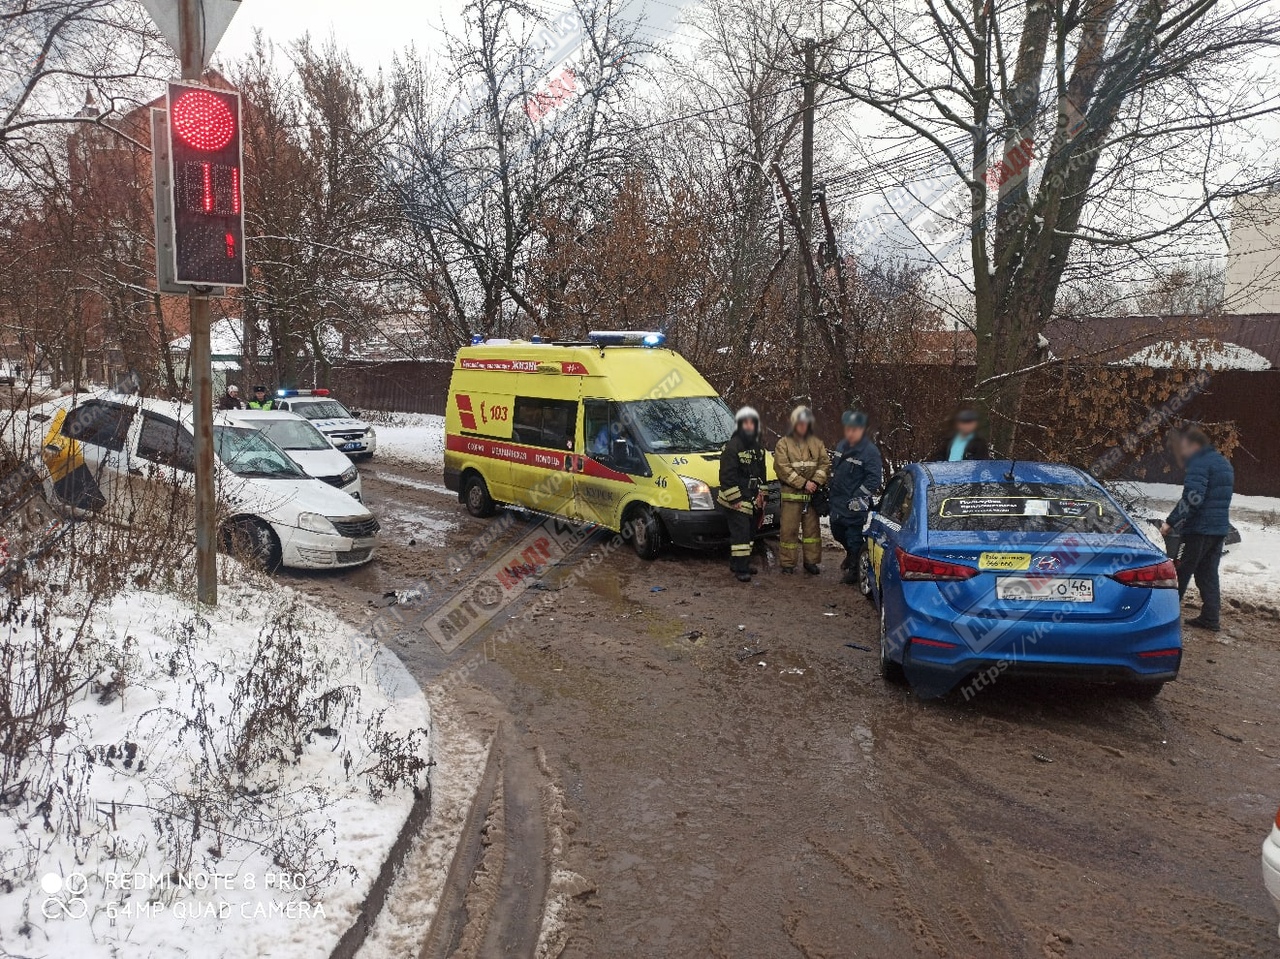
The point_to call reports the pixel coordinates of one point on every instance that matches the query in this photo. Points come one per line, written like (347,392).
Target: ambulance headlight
(315,523)
(699,493)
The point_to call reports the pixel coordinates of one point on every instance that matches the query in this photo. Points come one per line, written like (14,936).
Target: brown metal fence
(400,386)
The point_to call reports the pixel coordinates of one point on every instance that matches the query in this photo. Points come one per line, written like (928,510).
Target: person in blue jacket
(856,473)
(1202,519)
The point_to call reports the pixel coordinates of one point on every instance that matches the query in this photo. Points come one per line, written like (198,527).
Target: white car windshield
(246,452)
(293,435)
(321,410)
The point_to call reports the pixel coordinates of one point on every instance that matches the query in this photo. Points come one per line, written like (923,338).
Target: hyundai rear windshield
(687,424)
(1023,508)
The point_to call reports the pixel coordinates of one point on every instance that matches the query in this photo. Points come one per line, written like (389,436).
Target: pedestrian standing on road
(1202,519)
(230,400)
(962,441)
(741,493)
(260,401)
(803,465)
(856,473)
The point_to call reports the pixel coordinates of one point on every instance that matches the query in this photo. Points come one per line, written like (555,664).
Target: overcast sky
(371,29)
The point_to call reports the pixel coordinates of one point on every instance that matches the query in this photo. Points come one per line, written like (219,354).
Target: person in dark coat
(1202,519)
(963,441)
(230,400)
(742,479)
(857,471)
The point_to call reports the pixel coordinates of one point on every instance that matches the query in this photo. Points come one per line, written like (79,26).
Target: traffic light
(208,209)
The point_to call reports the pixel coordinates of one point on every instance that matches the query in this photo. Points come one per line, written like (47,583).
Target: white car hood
(281,500)
(325,462)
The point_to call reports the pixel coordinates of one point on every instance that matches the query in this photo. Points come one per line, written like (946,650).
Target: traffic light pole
(201,361)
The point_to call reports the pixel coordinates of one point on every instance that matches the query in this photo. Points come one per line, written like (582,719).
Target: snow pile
(1198,354)
(1250,569)
(413,438)
(223,783)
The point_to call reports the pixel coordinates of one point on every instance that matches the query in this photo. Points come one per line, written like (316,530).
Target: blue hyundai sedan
(983,568)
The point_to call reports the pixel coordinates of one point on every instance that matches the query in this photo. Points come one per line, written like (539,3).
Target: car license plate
(1059,589)
(767,520)
(348,447)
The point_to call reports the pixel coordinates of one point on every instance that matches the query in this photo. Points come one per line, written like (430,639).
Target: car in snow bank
(305,444)
(118,456)
(345,430)
(1271,862)
(983,568)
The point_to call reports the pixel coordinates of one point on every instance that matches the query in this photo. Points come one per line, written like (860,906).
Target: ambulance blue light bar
(320,392)
(651,338)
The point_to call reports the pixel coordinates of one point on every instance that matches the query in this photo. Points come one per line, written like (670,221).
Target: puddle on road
(427,528)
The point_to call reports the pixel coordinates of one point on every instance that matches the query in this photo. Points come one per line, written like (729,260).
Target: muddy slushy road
(739,782)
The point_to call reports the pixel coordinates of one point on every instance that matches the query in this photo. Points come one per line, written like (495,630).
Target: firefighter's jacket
(799,461)
(742,473)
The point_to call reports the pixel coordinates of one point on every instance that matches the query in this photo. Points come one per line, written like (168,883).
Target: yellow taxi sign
(1005,561)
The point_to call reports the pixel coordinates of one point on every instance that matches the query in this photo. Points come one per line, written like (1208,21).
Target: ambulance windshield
(687,424)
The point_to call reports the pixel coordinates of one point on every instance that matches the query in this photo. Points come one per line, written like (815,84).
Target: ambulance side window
(602,427)
(543,422)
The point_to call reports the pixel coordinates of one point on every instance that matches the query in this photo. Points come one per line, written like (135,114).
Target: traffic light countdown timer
(208,212)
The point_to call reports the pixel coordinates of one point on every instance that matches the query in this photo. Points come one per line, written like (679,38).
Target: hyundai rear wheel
(864,572)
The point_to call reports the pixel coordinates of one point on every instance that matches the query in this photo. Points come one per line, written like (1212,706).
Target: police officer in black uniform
(742,478)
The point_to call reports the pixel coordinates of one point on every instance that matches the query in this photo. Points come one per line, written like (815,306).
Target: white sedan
(119,456)
(305,444)
(1271,862)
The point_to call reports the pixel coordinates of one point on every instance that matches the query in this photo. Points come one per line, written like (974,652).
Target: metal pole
(192,54)
(804,315)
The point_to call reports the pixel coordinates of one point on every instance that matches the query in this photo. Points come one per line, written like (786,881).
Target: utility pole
(192,54)
(804,315)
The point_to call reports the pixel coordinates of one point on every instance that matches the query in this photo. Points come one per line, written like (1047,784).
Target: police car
(348,433)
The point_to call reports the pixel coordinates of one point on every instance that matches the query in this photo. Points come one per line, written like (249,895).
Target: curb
(376,898)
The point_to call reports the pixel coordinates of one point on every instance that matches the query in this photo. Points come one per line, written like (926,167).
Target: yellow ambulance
(614,430)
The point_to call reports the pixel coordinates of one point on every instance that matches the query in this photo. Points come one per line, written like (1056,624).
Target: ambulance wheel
(646,532)
(253,542)
(475,496)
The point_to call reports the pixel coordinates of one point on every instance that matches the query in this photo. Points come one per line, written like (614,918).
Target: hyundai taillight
(911,566)
(1159,576)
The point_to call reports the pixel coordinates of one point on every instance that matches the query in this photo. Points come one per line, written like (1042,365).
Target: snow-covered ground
(229,787)
(1251,568)
(413,438)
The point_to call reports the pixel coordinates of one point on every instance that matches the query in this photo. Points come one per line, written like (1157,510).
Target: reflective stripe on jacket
(798,461)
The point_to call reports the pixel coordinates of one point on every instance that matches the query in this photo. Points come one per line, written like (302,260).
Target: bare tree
(1088,134)
(317,218)
(55,54)
(495,141)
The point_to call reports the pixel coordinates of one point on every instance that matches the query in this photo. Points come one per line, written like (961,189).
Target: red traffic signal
(208,212)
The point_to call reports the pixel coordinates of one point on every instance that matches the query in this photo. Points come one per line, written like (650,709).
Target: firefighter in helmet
(803,465)
(742,479)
